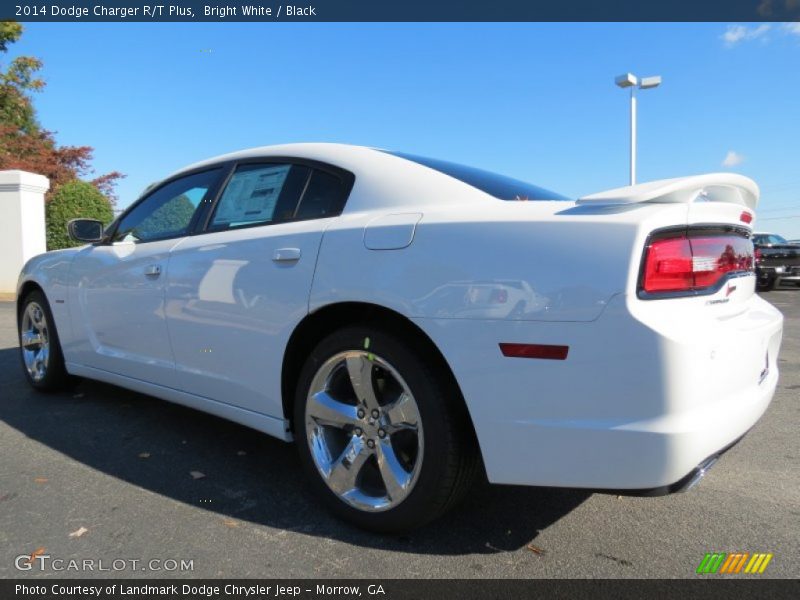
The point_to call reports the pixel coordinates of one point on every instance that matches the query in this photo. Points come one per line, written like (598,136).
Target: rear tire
(383,436)
(39,345)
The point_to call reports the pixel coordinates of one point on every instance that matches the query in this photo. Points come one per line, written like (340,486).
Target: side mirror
(85,230)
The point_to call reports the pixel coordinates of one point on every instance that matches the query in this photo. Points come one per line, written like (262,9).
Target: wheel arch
(324,321)
(26,288)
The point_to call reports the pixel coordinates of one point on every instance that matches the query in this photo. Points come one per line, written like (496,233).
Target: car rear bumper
(635,405)
(686,483)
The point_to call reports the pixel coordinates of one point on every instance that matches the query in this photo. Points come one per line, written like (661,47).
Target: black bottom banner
(395,589)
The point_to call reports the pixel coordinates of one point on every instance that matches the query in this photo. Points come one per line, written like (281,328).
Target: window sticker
(251,196)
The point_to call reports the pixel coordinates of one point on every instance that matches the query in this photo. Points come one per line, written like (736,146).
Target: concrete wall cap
(31,182)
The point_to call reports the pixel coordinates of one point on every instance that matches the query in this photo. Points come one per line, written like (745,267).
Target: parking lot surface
(101,473)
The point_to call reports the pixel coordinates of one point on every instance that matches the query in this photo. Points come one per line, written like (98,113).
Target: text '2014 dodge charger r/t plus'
(410,322)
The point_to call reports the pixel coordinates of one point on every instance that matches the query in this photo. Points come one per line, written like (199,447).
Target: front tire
(39,346)
(384,437)
(766,284)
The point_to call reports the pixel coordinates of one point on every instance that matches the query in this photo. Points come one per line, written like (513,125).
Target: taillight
(694,262)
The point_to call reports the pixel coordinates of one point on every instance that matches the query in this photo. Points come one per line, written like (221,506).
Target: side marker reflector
(535,351)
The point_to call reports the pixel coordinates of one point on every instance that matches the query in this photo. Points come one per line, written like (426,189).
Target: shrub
(72,200)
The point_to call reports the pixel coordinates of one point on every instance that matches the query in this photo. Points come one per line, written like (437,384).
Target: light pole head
(626,80)
(650,82)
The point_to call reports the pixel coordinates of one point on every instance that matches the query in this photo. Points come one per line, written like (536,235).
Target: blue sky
(535,101)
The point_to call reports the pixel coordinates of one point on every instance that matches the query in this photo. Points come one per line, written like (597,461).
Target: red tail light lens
(695,262)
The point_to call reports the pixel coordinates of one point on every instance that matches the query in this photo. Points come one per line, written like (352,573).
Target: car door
(117,296)
(237,291)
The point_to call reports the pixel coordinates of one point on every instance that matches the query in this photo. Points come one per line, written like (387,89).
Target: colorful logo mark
(734,562)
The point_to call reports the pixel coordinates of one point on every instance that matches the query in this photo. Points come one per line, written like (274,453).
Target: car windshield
(770,238)
(499,186)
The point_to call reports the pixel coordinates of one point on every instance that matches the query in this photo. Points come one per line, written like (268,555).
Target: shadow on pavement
(248,475)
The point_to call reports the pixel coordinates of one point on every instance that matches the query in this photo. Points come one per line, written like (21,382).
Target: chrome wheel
(35,341)
(364,430)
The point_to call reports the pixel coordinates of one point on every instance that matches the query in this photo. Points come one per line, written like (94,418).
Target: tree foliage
(17,81)
(71,200)
(23,143)
(10,32)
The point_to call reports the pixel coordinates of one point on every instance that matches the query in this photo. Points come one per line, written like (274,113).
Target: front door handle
(153,271)
(286,255)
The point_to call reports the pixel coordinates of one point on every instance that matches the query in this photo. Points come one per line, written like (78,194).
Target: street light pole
(633,136)
(629,80)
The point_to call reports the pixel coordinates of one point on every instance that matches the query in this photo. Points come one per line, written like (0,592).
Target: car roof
(382,179)
(321,151)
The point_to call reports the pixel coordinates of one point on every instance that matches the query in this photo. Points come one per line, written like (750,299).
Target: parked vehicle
(410,322)
(777,261)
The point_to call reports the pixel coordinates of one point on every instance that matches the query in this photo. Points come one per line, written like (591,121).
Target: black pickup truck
(776,260)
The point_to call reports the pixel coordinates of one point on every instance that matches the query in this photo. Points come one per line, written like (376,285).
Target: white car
(411,322)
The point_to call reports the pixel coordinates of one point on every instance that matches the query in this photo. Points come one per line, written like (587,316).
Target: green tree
(71,200)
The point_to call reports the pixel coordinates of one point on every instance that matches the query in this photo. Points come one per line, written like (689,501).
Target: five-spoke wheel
(364,431)
(35,341)
(381,430)
(39,346)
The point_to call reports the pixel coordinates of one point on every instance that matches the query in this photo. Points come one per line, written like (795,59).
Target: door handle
(153,271)
(286,255)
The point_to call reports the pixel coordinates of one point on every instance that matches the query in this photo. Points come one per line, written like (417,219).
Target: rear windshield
(499,186)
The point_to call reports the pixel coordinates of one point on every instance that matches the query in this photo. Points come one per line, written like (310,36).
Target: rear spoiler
(713,187)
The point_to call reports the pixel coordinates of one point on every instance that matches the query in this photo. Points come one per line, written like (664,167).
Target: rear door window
(259,194)
(265,193)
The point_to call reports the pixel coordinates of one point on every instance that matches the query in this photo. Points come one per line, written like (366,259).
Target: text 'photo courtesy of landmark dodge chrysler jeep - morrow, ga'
(411,323)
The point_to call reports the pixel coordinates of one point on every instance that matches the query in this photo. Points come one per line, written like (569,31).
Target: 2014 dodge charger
(409,322)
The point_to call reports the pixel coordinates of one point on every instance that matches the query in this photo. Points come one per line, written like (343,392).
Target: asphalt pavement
(107,475)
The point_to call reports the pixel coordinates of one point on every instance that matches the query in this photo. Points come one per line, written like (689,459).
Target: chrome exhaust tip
(698,473)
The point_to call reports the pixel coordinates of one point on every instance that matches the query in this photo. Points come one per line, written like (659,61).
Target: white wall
(22,229)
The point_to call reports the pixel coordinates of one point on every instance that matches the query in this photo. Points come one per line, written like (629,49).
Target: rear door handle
(153,271)
(286,255)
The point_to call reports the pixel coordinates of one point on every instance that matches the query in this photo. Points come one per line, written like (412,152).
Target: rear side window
(260,194)
(494,184)
(324,196)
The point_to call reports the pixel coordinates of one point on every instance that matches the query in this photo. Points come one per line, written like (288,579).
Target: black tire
(450,458)
(766,285)
(55,377)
